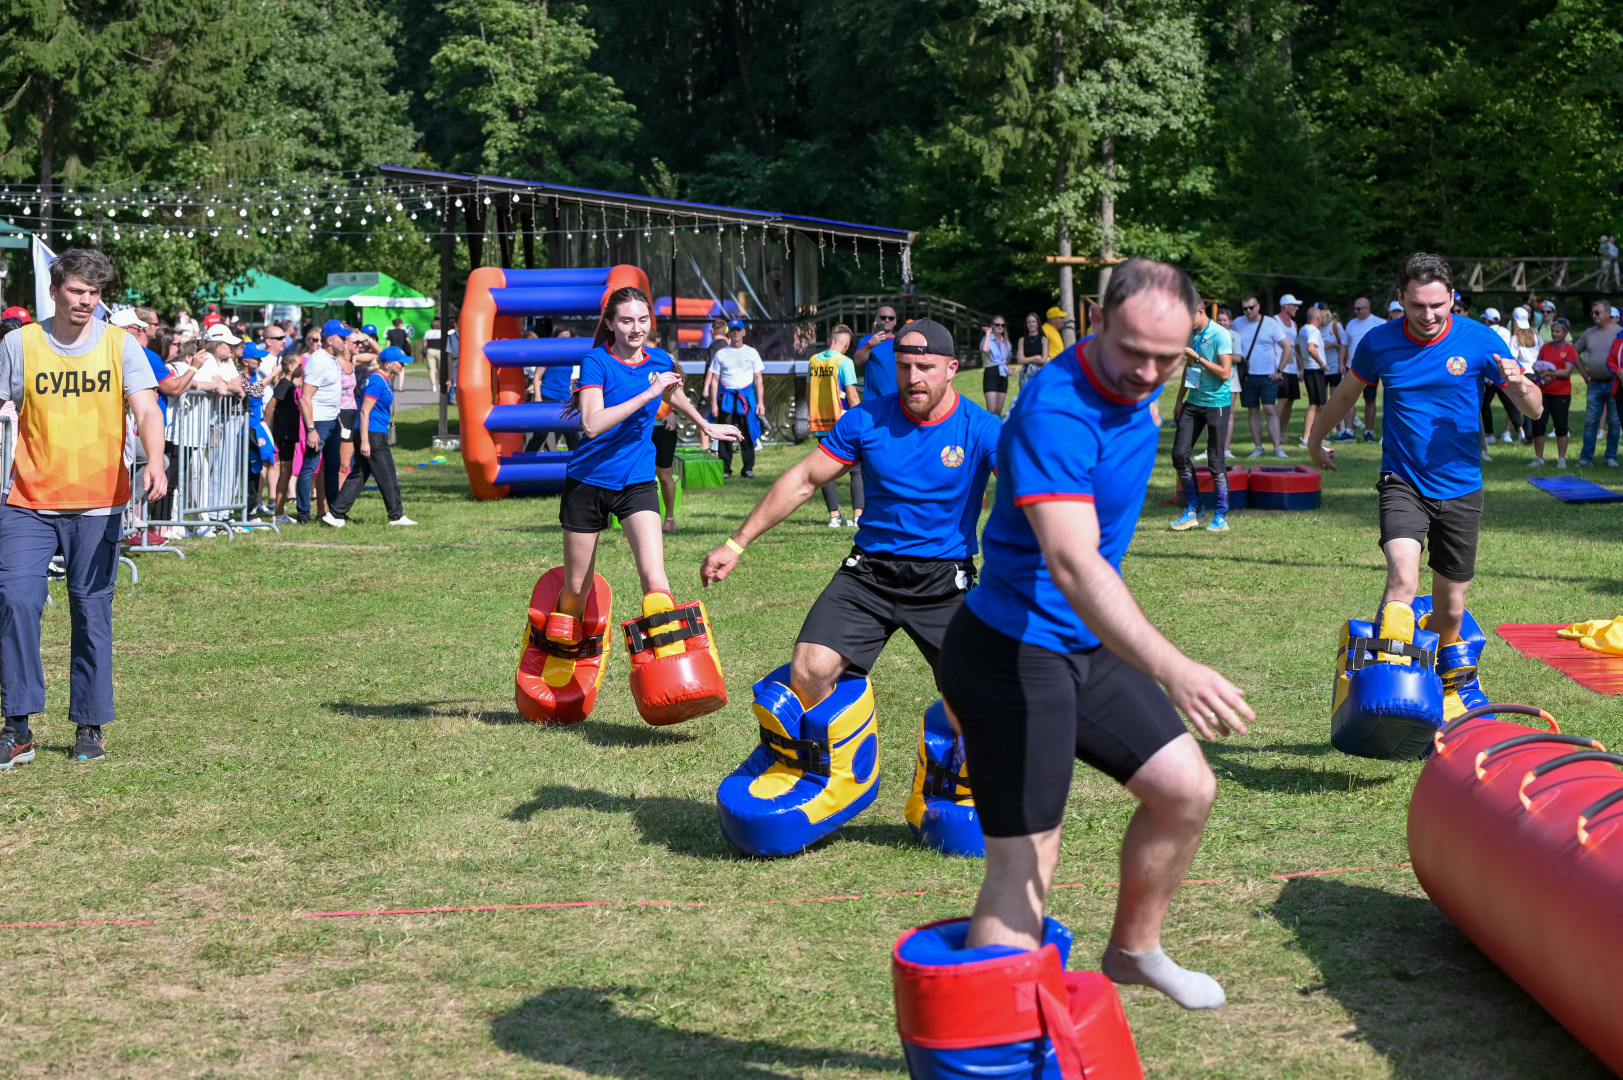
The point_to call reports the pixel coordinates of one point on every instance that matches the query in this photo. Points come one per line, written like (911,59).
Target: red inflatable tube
(1517,836)
(1239,478)
(565,692)
(1284,487)
(675,669)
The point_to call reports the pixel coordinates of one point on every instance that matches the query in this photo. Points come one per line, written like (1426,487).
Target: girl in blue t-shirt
(622,382)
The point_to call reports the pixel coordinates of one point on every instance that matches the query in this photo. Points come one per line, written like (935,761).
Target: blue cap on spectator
(394,354)
(250,351)
(369,330)
(333,328)
(736,324)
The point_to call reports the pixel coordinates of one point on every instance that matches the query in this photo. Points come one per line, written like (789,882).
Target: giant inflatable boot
(1388,699)
(1005,1012)
(561,666)
(1457,663)
(814,770)
(675,669)
(941,810)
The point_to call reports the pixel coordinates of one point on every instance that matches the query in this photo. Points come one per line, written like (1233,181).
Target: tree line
(1256,142)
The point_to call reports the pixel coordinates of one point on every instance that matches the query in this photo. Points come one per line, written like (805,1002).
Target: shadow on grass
(599,733)
(1610,586)
(1229,763)
(413,710)
(1419,992)
(880,834)
(582,1029)
(682,826)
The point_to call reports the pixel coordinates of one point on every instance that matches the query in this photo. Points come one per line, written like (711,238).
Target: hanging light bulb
(211,211)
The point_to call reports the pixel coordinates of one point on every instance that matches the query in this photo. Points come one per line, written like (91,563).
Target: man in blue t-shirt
(1430,366)
(925,454)
(1050,658)
(374,460)
(876,353)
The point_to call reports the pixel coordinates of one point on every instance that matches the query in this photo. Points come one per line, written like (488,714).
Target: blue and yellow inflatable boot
(814,770)
(1457,662)
(941,809)
(1388,699)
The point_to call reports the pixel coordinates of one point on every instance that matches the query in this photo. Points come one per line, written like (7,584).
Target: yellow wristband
(738,549)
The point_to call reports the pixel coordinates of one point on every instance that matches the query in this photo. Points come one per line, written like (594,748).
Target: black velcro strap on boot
(586,647)
(941,782)
(807,755)
(646,633)
(1356,647)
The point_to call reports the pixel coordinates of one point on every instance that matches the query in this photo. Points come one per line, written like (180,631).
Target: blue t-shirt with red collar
(923,482)
(1432,424)
(624,454)
(879,370)
(1068,438)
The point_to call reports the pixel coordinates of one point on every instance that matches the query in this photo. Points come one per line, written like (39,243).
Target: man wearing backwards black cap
(925,454)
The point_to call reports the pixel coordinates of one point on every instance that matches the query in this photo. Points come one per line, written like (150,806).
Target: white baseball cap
(1614,313)
(1523,318)
(1395,306)
(1288,298)
(1490,315)
(127,318)
(221,332)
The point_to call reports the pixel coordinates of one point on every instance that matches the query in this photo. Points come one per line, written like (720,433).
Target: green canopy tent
(269,296)
(378,299)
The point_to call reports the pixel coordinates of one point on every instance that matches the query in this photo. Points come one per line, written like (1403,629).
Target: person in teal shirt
(1204,400)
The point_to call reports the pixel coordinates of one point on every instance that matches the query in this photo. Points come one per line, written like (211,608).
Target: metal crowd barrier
(8,448)
(210,435)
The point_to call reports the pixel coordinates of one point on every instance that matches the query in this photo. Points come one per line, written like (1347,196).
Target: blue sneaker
(1187,520)
(1220,523)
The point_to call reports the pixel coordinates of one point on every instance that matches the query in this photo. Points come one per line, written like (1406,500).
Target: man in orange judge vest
(69,377)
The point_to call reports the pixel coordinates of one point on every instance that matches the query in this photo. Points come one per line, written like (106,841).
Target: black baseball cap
(937,339)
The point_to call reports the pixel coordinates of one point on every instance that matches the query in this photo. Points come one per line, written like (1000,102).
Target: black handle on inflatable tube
(1490,710)
(1592,809)
(1560,763)
(1524,740)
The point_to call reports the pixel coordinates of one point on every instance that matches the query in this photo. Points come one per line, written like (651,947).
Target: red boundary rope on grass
(563,904)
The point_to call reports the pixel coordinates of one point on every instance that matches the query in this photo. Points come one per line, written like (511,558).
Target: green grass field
(324,721)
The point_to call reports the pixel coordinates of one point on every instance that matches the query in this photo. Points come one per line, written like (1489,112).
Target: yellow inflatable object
(1600,635)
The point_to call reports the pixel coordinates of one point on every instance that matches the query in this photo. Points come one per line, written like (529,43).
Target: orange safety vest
(70,426)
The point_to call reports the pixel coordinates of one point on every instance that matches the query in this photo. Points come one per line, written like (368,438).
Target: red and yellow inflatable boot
(675,669)
(561,666)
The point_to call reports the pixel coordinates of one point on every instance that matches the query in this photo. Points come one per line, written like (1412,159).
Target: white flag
(44,308)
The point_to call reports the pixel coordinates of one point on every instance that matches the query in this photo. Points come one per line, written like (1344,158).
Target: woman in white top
(1312,366)
(1524,344)
(996,350)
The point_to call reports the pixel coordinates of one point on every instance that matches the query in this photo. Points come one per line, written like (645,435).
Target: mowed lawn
(323,722)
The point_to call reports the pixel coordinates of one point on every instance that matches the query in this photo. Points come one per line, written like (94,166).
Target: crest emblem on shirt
(952,456)
(1456,365)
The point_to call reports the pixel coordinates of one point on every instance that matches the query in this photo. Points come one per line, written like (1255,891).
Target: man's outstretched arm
(781,499)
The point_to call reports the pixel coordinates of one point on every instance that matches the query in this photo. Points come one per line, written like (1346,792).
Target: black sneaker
(14,751)
(88,746)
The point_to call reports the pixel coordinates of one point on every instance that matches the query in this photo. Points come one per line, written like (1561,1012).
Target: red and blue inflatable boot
(998,1011)
(941,810)
(814,770)
(675,669)
(1388,700)
(561,666)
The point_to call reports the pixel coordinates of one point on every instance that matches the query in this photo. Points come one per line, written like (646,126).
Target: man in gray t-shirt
(69,484)
(1593,346)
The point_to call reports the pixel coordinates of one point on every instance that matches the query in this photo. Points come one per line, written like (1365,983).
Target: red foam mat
(1597,671)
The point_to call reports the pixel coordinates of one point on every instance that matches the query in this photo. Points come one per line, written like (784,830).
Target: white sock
(1155,969)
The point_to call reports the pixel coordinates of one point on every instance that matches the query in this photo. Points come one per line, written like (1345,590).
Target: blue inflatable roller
(999,1011)
(1388,700)
(814,770)
(941,809)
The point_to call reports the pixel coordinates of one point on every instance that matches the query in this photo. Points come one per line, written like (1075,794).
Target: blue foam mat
(1574,489)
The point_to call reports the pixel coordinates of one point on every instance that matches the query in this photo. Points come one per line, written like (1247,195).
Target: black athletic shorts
(1556,409)
(1369,392)
(994,382)
(285,446)
(1028,712)
(873,596)
(665,446)
(1334,379)
(1447,528)
(586,508)
(347,419)
(1291,388)
(1317,385)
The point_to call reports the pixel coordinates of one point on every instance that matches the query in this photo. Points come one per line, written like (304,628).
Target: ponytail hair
(618,299)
